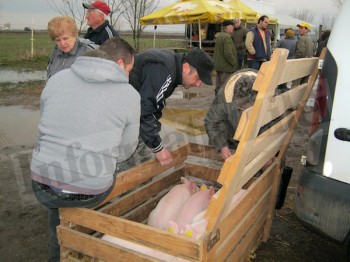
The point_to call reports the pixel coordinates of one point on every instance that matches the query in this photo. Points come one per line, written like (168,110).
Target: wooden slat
(276,132)
(234,165)
(136,197)
(98,248)
(127,180)
(298,68)
(238,222)
(170,243)
(278,106)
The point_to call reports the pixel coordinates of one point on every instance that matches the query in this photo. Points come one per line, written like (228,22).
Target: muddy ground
(23,222)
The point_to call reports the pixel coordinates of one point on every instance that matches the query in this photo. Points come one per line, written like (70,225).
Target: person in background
(225,55)
(323,42)
(100,30)
(225,112)
(304,47)
(258,43)
(90,118)
(156,74)
(239,35)
(288,42)
(63,30)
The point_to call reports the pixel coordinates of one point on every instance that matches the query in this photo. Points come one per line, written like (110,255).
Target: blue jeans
(254,64)
(53,201)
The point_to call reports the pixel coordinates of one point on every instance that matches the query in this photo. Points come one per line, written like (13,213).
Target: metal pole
(32,42)
(200,34)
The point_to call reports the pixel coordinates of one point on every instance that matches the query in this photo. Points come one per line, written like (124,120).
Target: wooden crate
(240,213)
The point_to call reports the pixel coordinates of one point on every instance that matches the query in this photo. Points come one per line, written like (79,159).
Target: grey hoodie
(90,118)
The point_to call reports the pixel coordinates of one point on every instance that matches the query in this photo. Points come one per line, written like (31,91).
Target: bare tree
(117,8)
(74,8)
(338,3)
(303,14)
(134,10)
(327,22)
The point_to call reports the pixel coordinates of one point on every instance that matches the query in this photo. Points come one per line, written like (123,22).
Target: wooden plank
(136,197)
(173,244)
(233,166)
(129,179)
(276,181)
(274,134)
(204,151)
(98,248)
(298,68)
(278,106)
(233,232)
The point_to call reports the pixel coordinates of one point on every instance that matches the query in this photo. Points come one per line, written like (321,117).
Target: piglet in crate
(170,205)
(196,204)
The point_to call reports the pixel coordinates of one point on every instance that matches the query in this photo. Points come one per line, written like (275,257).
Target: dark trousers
(242,60)
(254,64)
(54,200)
(221,79)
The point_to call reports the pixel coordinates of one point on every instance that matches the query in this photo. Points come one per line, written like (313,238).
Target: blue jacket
(258,44)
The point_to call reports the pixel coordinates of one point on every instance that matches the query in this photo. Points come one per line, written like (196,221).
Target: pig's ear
(192,186)
(173,227)
(184,180)
(211,192)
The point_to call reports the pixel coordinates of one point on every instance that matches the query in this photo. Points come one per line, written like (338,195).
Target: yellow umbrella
(244,11)
(189,11)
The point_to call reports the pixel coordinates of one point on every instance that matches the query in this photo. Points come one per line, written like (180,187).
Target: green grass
(15,48)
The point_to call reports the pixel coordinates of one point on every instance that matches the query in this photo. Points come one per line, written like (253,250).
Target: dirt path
(23,222)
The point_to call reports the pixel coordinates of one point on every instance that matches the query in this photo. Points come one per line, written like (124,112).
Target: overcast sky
(21,13)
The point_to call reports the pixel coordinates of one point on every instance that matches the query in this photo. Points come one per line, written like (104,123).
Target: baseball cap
(202,62)
(304,24)
(228,22)
(102,6)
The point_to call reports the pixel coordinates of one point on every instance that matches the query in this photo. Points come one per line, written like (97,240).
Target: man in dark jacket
(258,43)
(156,74)
(225,112)
(239,35)
(100,30)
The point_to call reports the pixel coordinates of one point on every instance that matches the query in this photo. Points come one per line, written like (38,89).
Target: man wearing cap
(225,55)
(226,110)
(100,30)
(258,43)
(305,47)
(239,35)
(156,74)
(288,43)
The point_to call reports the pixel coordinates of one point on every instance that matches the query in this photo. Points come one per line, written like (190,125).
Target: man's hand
(225,152)
(164,157)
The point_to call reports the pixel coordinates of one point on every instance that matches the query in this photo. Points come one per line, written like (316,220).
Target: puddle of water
(18,126)
(14,76)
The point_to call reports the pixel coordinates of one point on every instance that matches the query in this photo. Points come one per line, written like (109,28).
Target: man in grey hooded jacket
(90,117)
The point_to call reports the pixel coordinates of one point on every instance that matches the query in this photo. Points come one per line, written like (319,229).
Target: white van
(323,196)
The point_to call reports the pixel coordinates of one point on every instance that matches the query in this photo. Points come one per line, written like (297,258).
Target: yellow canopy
(189,11)
(245,12)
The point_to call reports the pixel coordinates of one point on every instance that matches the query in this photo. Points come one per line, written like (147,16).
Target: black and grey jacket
(156,74)
(101,33)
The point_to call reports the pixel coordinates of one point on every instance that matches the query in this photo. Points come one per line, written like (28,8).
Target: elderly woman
(69,46)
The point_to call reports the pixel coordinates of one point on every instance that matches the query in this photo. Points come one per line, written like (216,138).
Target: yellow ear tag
(204,187)
(171,230)
(188,233)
